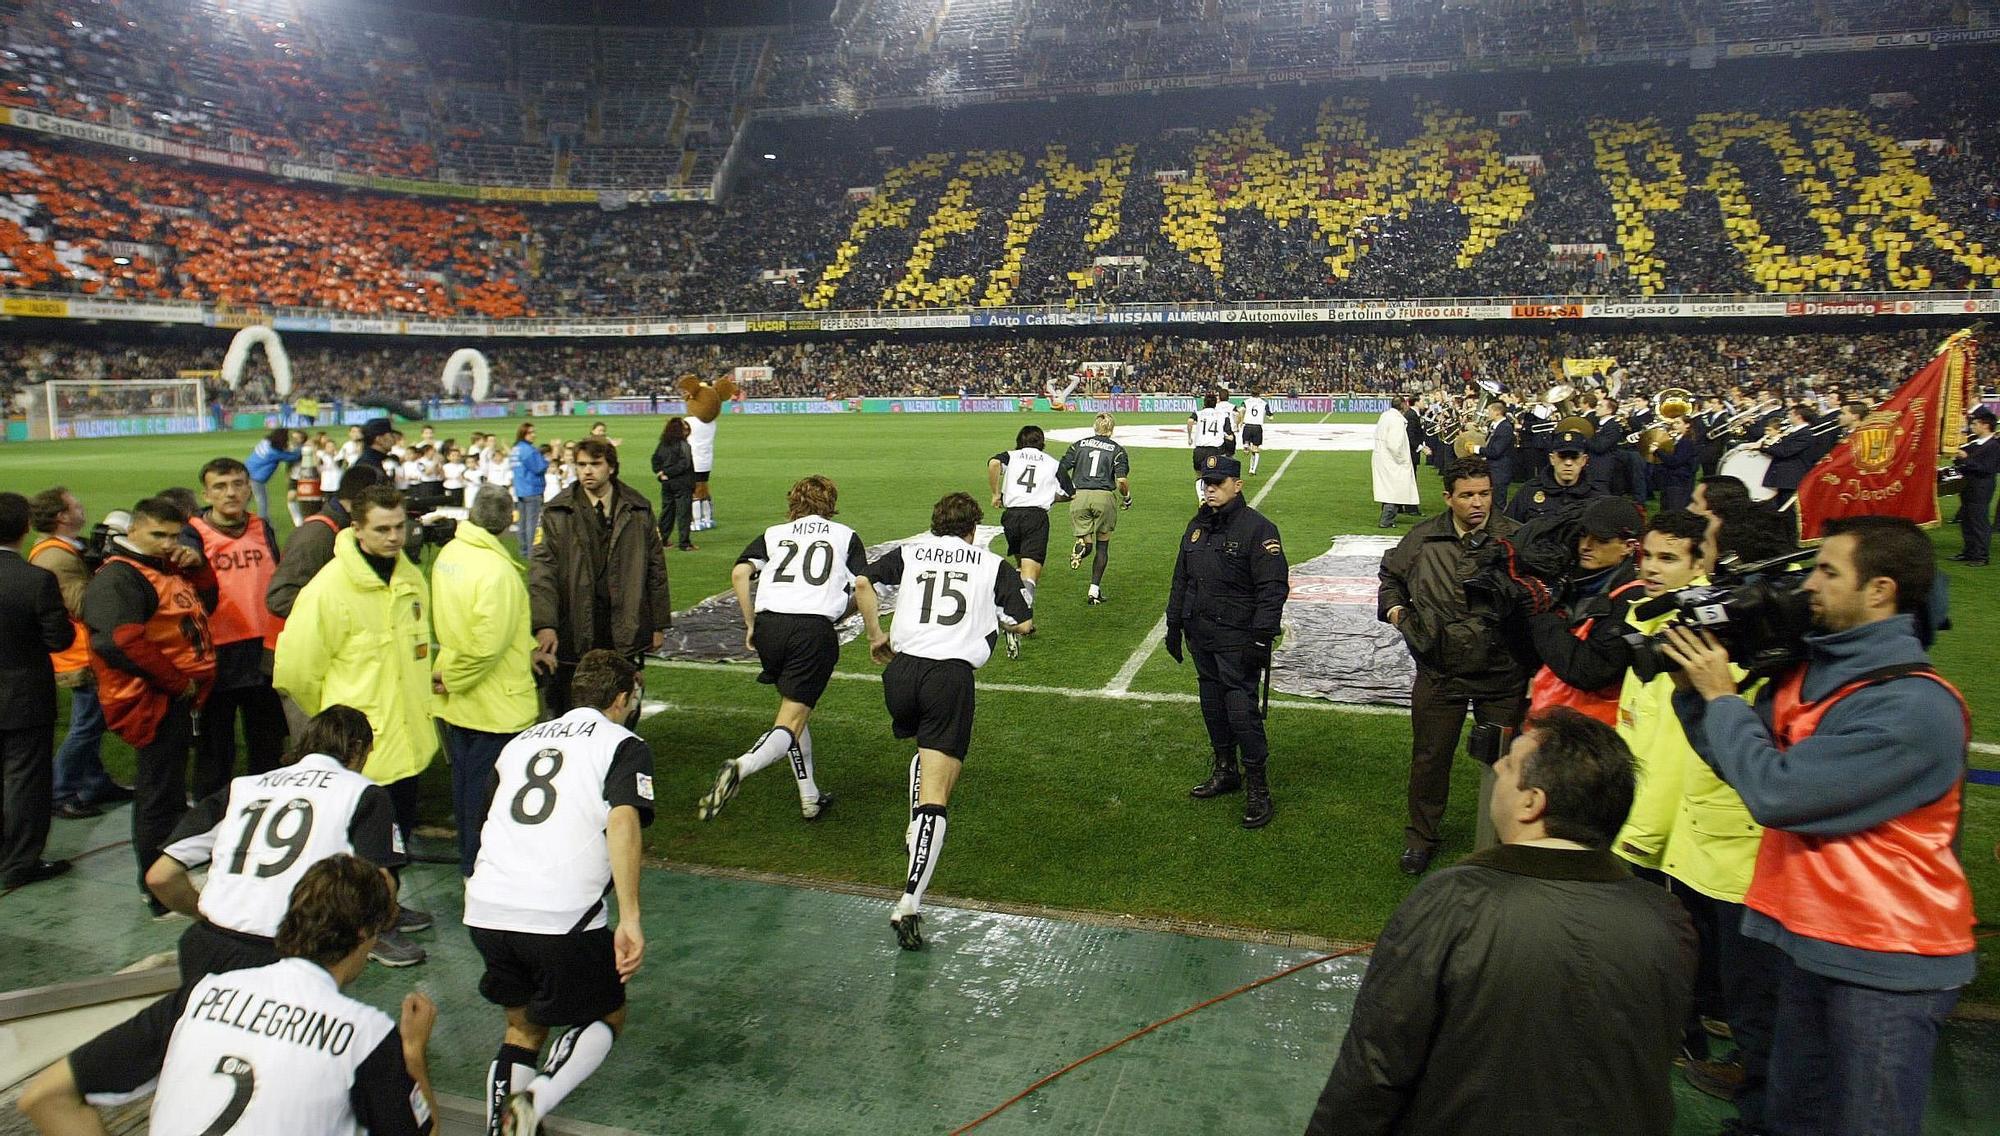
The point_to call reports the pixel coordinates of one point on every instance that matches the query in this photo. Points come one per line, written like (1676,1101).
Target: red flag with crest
(1889,465)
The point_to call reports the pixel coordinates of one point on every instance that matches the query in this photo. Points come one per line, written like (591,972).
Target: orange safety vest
(1896,887)
(1546,690)
(244,565)
(178,629)
(76,656)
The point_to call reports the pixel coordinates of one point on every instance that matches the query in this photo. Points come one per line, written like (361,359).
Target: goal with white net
(90,408)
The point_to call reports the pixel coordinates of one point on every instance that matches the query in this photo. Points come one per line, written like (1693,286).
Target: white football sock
(1253,461)
(924,850)
(916,798)
(575,1057)
(1028,592)
(769,748)
(801,753)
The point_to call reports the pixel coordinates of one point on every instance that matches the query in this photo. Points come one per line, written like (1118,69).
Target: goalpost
(90,408)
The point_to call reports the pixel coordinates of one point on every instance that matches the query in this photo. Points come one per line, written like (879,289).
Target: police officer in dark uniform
(1228,597)
(1564,479)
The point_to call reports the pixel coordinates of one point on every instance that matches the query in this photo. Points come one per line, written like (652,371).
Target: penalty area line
(1122,681)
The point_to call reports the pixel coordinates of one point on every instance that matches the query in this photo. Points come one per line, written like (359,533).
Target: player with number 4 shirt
(954,596)
(1025,481)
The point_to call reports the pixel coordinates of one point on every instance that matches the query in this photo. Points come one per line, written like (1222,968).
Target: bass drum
(1746,463)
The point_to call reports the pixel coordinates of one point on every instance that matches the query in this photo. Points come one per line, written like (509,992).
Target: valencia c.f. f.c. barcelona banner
(1888,466)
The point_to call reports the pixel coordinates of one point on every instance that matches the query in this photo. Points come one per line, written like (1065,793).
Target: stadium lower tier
(326,367)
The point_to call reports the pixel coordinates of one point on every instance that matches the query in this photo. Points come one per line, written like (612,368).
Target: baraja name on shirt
(251,1013)
(561,728)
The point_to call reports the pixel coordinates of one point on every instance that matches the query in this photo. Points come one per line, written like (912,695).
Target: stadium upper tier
(1758,178)
(361,88)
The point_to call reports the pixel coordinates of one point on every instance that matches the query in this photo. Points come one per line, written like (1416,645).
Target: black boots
(1256,797)
(1222,779)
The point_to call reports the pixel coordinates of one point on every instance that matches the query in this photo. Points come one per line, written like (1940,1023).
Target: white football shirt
(1027,479)
(280,1049)
(544,861)
(806,567)
(261,833)
(951,598)
(1212,425)
(1255,410)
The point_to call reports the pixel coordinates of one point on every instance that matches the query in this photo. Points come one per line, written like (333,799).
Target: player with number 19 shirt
(953,594)
(805,571)
(259,835)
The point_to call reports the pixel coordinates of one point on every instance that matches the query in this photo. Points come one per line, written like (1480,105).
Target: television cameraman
(1581,640)
(1857,880)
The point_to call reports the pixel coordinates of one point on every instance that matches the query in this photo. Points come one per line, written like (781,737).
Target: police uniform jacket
(1230,579)
(1541,495)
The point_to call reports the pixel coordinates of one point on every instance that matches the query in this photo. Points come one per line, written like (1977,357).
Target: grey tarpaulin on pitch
(712,631)
(1334,647)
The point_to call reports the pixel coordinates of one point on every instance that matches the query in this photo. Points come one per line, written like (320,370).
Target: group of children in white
(303,862)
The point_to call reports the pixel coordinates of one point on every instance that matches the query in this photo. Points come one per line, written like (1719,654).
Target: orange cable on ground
(1137,1034)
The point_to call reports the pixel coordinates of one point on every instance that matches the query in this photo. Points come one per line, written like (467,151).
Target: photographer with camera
(1857,880)
(1460,658)
(1581,640)
(81,783)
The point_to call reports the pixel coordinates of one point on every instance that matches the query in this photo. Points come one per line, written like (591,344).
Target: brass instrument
(1658,441)
(1472,427)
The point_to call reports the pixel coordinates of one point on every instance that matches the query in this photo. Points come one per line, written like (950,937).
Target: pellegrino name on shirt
(561,728)
(256,1014)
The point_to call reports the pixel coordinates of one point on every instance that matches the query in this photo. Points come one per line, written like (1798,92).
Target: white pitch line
(1061,691)
(1122,681)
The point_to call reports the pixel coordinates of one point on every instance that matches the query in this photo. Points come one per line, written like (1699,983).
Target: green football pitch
(1074,794)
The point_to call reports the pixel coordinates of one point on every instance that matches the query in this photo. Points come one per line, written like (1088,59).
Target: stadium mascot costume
(704,406)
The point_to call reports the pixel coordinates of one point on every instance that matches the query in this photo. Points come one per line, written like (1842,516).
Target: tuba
(1657,441)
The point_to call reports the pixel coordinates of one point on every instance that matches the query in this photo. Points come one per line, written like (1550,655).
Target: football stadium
(1330,566)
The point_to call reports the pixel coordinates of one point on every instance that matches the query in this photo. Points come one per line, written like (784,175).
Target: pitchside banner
(1334,647)
(1888,465)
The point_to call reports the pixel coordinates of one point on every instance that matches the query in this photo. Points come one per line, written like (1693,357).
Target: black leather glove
(1260,654)
(1174,641)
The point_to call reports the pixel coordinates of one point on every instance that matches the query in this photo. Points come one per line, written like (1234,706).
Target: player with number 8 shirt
(955,596)
(568,798)
(806,571)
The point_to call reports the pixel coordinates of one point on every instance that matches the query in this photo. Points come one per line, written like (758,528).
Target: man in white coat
(1394,468)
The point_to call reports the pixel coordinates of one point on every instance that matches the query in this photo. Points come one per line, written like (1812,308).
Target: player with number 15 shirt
(952,596)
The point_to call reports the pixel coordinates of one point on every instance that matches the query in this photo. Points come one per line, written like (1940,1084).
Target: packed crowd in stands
(385,91)
(1612,182)
(404,93)
(330,368)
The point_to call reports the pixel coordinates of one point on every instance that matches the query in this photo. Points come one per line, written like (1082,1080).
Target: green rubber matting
(765,1008)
